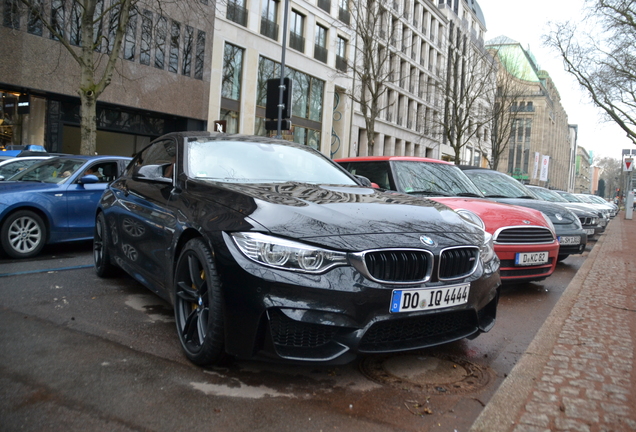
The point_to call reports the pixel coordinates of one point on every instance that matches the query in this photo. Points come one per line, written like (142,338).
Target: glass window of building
(188,46)
(269,19)
(200,55)
(34,22)
(75,32)
(175,35)
(146,38)
(341,54)
(296,32)
(130,38)
(320,47)
(57,18)
(232,71)
(160,42)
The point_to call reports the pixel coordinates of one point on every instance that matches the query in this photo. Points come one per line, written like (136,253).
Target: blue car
(54,201)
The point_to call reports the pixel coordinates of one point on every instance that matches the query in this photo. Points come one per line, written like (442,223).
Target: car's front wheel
(23,234)
(198,305)
(562,257)
(101,257)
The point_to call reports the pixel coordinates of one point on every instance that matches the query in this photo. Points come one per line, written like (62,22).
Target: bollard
(629,205)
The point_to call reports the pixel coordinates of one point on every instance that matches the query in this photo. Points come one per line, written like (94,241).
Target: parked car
(593,225)
(524,239)
(12,166)
(53,201)
(267,248)
(600,200)
(14,150)
(503,188)
(606,208)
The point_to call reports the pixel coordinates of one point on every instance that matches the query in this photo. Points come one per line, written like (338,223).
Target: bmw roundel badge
(427,240)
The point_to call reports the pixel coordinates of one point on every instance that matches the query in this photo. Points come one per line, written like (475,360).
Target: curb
(513,393)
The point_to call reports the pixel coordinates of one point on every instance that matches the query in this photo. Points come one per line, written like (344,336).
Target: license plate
(410,300)
(569,240)
(589,231)
(531,258)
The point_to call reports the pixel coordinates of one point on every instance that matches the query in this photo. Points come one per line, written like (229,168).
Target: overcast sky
(526,22)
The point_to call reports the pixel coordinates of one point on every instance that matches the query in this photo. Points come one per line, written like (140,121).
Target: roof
(391,158)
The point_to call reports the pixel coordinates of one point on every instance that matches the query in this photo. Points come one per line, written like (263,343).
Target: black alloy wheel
(101,257)
(198,305)
(23,234)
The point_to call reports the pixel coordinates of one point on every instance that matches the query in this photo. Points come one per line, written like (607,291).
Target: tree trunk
(88,126)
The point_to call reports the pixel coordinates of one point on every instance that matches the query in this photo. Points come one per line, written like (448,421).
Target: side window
(106,172)
(156,160)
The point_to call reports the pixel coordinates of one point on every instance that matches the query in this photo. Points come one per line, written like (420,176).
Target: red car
(524,238)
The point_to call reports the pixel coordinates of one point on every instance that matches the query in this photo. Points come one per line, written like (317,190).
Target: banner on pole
(545,164)
(535,171)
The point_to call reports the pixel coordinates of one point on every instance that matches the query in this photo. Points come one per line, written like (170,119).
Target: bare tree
(378,39)
(612,174)
(506,111)
(92,32)
(604,62)
(469,93)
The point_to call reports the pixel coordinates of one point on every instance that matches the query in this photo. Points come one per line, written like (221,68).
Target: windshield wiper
(526,197)
(468,194)
(429,193)
(497,196)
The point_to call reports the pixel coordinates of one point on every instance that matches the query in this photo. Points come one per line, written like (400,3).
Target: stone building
(161,83)
(540,127)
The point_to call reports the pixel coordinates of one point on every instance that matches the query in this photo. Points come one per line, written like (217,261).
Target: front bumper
(571,248)
(332,317)
(513,273)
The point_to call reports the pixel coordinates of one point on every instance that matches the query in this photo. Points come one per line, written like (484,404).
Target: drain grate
(436,374)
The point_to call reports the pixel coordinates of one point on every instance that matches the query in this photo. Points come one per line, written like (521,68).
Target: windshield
(55,170)
(568,196)
(257,162)
(433,179)
(584,198)
(498,185)
(597,199)
(548,195)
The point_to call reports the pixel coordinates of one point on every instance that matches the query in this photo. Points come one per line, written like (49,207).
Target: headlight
(471,217)
(287,254)
(487,250)
(550,224)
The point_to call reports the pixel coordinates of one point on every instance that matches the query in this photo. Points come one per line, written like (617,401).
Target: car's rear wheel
(198,305)
(101,257)
(23,234)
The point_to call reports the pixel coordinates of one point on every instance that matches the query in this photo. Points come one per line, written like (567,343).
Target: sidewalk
(578,373)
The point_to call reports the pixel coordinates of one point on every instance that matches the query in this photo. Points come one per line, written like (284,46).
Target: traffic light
(273,95)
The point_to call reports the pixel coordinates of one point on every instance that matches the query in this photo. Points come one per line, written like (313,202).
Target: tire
(562,257)
(23,234)
(101,256)
(198,305)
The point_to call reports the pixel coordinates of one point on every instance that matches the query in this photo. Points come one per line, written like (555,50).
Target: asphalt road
(81,353)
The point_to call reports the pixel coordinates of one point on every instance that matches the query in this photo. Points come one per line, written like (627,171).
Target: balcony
(269,28)
(237,14)
(344,15)
(320,53)
(297,42)
(325,5)
(341,63)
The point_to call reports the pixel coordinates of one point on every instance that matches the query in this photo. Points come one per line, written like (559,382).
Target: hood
(496,214)
(558,213)
(342,216)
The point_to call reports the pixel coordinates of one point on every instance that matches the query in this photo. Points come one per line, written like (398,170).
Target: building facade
(583,173)
(161,81)
(540,126)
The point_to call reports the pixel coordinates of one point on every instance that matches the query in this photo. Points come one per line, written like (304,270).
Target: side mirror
(363,181)
(88,179)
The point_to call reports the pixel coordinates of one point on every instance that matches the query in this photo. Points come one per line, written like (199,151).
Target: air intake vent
(525,235)
(456,263)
